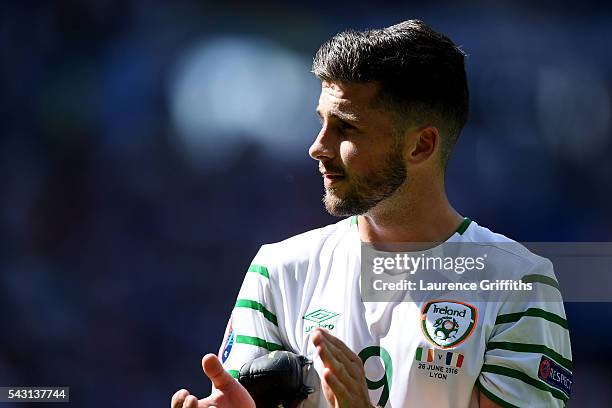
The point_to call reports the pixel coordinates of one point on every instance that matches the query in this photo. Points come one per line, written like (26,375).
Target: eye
(346,126)
(338,123)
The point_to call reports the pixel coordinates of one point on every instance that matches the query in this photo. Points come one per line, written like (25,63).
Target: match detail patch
(430,355)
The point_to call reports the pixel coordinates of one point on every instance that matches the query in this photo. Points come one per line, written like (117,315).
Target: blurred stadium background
(147,149)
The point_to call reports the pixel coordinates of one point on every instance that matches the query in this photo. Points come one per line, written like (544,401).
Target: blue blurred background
(147,149)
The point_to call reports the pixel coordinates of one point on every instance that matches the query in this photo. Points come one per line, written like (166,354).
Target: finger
(345,355)
(330,362)
(190,402)
(343,396)
(330,397)
(323,347)
(213,369)
(178,398)
(343,358)
(341,347)
(208,402)
(344,367)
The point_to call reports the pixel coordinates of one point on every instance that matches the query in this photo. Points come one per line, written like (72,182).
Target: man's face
(360,153)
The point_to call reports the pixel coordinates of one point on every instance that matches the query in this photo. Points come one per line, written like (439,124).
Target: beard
(365,192)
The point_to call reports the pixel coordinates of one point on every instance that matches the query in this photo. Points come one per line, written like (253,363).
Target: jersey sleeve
(253,328)
(528,358)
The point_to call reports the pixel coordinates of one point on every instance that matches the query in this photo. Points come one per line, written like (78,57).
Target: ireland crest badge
(448,323)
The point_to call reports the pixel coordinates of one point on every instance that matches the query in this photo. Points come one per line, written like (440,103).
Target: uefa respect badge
(448,323)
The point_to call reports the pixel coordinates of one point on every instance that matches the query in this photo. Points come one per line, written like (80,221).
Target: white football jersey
(430,353)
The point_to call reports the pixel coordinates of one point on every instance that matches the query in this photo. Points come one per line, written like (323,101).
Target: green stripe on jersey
(251,304)
(531,348)
(546,280)
(262,270)
(256,341)
(354,220)
(519,375)
(464,226)
(494,397)
(532,312)
(234,373)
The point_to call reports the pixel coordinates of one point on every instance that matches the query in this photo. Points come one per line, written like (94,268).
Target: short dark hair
(420,71)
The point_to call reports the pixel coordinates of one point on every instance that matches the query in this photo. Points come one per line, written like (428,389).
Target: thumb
(213,369)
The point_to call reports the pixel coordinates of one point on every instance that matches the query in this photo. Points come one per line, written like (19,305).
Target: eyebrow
(346,116)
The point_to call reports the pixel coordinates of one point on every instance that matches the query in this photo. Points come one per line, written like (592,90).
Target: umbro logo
(320,318)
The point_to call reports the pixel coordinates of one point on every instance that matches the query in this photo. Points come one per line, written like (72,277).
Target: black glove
(276,380)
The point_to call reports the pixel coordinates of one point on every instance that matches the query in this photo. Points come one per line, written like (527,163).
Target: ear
(427,139)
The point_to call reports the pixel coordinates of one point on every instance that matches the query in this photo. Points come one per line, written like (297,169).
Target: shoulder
(313,238)
(296,252)
(508,256)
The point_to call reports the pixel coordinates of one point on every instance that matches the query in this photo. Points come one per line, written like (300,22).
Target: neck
(415,213)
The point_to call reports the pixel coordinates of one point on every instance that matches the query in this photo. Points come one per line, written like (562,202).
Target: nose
(322,148)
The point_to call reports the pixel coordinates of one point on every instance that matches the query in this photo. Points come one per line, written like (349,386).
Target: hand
(227,392)
(343,380)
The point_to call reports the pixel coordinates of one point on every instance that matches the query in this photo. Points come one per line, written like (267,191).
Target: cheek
(351,158)
(348,152)
(358,159)
(354,158)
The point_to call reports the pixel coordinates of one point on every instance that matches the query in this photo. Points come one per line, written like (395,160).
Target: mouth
(331,178)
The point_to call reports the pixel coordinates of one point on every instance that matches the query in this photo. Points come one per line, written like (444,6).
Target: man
(392,104)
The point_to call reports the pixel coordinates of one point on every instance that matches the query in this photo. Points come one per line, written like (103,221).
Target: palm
(231,396)
(227,392)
